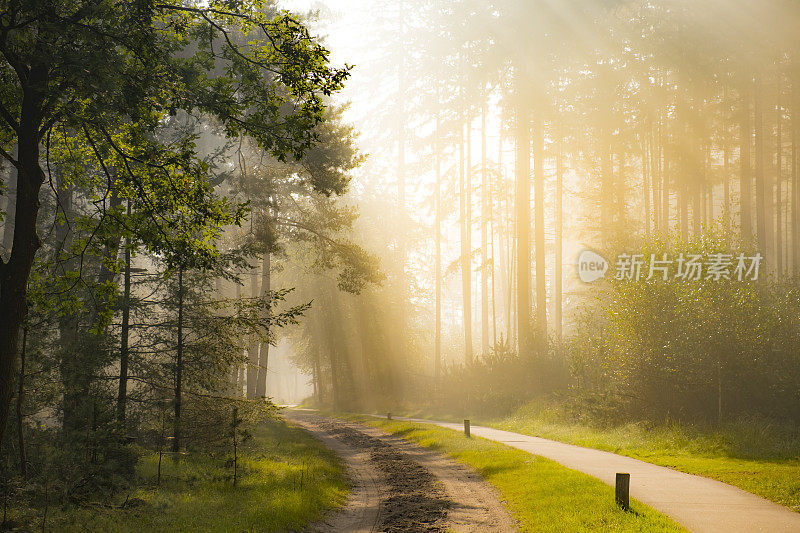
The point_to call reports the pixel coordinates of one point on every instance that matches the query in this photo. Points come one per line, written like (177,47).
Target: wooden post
(623,491)
(466,427)
(388,416)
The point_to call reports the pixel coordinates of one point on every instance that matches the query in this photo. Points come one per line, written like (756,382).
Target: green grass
(541,494)
(758,456)
(287,479)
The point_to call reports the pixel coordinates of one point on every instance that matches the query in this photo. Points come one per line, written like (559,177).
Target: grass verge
(541,494)
(755,455)
(286,479)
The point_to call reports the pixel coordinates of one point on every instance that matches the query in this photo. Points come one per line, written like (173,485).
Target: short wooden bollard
(466,427)
(388,416)
(623,491)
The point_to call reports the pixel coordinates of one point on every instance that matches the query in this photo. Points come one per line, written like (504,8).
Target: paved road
(700,504)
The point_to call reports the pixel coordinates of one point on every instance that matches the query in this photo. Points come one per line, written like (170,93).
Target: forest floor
(541,494)
(699,503)
(287,479)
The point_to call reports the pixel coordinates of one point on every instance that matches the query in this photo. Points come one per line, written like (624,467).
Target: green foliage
(119,97)
(690,350)
(287,479)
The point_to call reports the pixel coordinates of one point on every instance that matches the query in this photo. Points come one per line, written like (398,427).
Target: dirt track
(400,487)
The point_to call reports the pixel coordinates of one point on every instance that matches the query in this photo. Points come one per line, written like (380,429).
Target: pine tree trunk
(9,195)
(606,186)
(23,460)
(176,433)
(655,175)
(559,236)
(263,358)
(318,395)
(236,381)
(621,189)
(745,171)
(74,377)
(646,179)
(698,209)
(539,240)
(665,173)
(466,270)
(522,204)
(726,168)
(401,175)
(506,251)
(252,348)
(795,191)
(761,190)
(122,395)
(437,228)
(485,198)
(779,182)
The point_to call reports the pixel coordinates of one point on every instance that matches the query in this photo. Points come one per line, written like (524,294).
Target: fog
(502,139)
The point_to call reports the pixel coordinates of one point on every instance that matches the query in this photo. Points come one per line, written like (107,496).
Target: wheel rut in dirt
(401,487)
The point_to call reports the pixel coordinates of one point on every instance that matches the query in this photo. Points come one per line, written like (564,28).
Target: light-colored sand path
(700,504)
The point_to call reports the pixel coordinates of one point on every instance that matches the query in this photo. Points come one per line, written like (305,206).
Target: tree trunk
(236,382)
(606,185)
(176,434)
(665,173)
(402,86)
(73,373)
(779,182)
(621,187)
(263,359)
(726,169)
(761,190)
(23,460)
(437,228)
(522,197)
(745,179)
(698,207)
(655,175)
(559,237)
(485,199)
(318,396)
(646,180)
(122,396)
(252,348)
(539,241)
(683,201)
(506,268)
(110,250)
(492,230)
(795,191)
(466,263)
(10,207)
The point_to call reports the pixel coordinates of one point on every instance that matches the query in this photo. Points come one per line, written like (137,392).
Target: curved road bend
(699,504)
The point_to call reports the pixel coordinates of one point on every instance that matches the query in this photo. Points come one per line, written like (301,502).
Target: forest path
(400,487)
(699,504)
